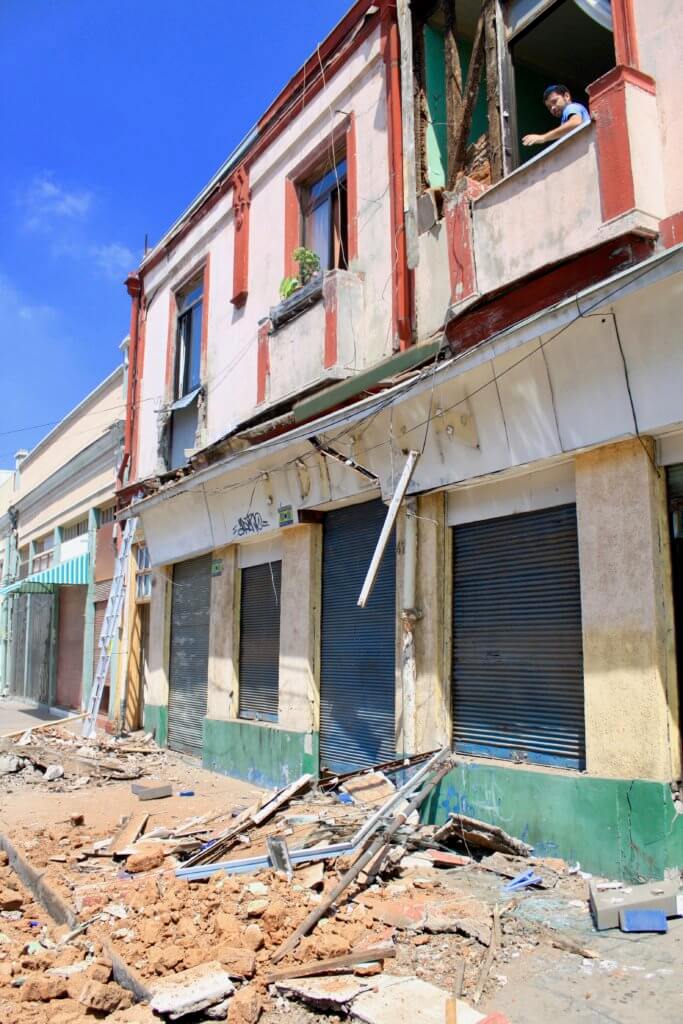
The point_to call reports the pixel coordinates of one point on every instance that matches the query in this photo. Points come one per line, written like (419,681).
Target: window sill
(298,303)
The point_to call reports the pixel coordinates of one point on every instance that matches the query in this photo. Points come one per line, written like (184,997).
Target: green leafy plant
(309,265)
(288,286)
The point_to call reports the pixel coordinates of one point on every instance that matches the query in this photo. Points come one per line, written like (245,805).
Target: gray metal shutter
(358,645)
(38,681)
(19,613)
(189,659)
(260,641)
(517,642)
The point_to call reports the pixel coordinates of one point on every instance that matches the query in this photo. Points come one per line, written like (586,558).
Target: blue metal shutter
(260,641)
(189,658)
(517,641)
(357,674)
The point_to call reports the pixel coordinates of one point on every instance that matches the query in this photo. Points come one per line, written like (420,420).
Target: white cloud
(114,260)
(47,204)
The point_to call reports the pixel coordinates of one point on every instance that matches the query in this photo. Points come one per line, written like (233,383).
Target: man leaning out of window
(559,102)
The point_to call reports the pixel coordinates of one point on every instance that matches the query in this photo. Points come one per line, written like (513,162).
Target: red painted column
(330,352)
(624,29)
(292,228)
(608,108)
(352,189)
(262,362)
(241,202)
(460,239)
(401,291)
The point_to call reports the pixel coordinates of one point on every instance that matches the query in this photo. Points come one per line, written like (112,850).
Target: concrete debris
(607,904)
(474,834)
(10,764)
(53,772)
(191,991)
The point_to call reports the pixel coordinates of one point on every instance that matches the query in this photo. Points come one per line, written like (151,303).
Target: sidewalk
(17,714)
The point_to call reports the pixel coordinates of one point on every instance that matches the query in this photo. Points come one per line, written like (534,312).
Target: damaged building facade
(57,552)
(492,340)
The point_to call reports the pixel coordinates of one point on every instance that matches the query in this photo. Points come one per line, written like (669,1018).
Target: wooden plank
(493,93)
(127,834)
(359,956)
(470,92)
(454,98)
(43,725)
(405,33)
(488,959)
(279,799)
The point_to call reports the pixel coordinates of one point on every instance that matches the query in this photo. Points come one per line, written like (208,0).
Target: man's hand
(533,140)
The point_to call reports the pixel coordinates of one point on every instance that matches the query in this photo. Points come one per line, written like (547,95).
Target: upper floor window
(23,562)
(43,553)
(107,515)
(324,211)
(74,530)
(189,339)
(143,575)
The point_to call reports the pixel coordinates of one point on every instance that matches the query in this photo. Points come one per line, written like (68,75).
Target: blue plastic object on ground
(643,921)
(186,792)
(523,881)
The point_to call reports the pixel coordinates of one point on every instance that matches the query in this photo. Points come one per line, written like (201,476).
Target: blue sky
(115,113)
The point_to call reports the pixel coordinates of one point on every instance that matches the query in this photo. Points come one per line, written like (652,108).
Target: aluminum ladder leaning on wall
(112,617)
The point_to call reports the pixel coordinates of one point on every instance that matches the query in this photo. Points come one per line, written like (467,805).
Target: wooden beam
(493,92)
(471,90)
(44,725)
(454,100)
(405,33)
(359,956)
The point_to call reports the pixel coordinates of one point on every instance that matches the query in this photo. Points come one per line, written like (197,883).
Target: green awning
(73,572)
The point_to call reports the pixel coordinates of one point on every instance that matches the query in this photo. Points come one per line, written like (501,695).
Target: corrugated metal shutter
(358,645)
(18,641)
(189,659)
(101,593)
(38,682)
(517,642)
(260,641)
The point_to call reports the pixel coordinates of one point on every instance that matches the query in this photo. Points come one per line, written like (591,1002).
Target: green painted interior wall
(155,720)
(532,114)
(435,84)
(619,828)
(258,753)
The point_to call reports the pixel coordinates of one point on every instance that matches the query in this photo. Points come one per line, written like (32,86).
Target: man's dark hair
(561,89)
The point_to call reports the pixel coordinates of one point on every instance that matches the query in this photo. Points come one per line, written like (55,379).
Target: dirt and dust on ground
(214,907)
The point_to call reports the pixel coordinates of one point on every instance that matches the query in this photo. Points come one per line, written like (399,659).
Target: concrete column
(89,621)
(156,692)
(299,685)
(432,631)
(631,702)
(222,694)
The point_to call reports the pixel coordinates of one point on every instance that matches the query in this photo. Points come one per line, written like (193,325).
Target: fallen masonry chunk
(256,907)
(10,764)
(42,990)
(245,1006)
(239,963)
(191,991)
(152,792)
(479,834)
(102,998)
(53,772)
(10,901)
(146,860)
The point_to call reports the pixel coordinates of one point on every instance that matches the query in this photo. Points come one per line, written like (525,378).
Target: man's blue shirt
(575,108)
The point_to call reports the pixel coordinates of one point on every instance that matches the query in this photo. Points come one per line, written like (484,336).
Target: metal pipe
(247,864)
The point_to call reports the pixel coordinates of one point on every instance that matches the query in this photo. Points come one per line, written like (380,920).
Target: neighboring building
(514,323)
(57,550)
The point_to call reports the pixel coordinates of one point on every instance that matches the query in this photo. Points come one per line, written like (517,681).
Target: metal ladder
(112,617)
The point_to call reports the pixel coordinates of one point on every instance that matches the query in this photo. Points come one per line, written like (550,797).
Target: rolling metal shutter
(260,641)
(19,612)
(675,484)
(189,656)
(358,645)
(517,642)
(38,681)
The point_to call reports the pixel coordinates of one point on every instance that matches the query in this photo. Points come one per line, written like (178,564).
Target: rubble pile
(334,896)
(58,759)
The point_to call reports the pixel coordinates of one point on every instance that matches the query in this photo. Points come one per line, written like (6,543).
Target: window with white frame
(43,553)
(143,574)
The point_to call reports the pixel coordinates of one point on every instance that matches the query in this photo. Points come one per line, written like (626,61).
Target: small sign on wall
(285,515)
(217,567)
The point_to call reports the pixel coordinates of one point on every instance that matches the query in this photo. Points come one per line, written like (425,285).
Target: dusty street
(108,861)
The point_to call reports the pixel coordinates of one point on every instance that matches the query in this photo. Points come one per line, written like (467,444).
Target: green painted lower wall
(614,827)
(258,753)
(155,720)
